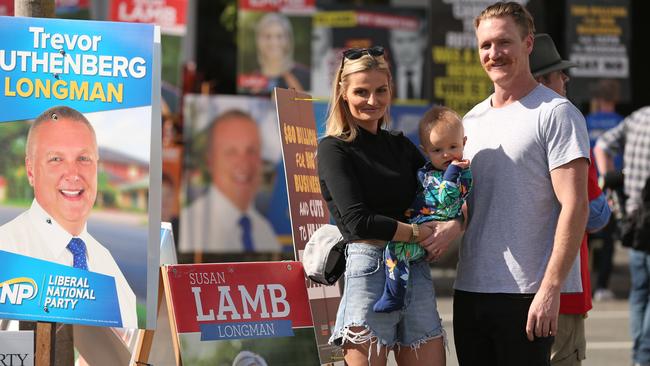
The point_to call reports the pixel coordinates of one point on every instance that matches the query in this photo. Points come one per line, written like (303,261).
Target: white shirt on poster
(211,224)
(34,233)
(416,80)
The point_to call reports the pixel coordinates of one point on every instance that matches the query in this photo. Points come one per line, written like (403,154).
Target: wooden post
(145,336)
(34,8)
(45,340)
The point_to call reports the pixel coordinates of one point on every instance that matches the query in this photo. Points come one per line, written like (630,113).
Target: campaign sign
(17,348)
(308,208)
(89,66)
(239,300)
(33,289)
(107,76)
(171,15)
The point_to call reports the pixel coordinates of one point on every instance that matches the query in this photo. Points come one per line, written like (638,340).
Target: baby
(446,181)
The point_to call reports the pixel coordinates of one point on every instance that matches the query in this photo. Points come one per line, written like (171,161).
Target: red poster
(170,15)
(7,7)
(239,300)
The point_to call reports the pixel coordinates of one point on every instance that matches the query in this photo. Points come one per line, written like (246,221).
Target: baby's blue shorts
(415,324)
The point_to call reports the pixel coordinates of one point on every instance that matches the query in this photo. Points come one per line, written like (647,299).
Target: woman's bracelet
(415,233)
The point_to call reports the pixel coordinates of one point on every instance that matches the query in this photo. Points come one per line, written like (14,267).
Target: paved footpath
(607,327)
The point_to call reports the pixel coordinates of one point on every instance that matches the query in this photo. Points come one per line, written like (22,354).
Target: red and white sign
(205,295)
(170,15)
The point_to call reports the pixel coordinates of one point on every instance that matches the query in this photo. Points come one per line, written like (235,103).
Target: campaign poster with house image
(80,194)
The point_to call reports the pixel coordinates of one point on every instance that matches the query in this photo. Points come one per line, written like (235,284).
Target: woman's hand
(442,234)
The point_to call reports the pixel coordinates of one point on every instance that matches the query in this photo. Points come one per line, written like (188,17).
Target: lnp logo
(17,289)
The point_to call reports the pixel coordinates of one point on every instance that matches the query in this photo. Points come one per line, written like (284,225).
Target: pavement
(607,326)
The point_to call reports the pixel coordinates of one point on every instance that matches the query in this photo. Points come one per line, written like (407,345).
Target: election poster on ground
(228,313)
(80,171)
(598,40)
(308,209)
(234,205)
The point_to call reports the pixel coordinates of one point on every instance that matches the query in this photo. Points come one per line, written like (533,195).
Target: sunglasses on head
(355,53)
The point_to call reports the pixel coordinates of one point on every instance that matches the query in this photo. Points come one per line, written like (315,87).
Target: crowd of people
(538,194)
(534,197)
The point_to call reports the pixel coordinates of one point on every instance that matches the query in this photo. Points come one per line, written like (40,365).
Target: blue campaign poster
(33,289)
(97,181)
(88,66)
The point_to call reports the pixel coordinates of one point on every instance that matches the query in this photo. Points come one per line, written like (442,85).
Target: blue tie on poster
(77,247)
(246,235)
(34,289)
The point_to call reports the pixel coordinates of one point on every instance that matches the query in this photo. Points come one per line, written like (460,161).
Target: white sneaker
(603,294)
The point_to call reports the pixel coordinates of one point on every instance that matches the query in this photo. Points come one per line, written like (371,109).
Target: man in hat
(569,347)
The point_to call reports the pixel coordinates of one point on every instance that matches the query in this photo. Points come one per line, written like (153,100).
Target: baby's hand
(463,164)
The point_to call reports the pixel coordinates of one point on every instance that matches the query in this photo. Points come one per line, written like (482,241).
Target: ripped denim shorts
(416,323)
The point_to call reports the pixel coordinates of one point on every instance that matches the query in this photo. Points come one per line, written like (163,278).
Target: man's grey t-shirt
(513,209)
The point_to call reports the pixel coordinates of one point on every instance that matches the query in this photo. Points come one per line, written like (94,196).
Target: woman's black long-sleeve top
(369,183)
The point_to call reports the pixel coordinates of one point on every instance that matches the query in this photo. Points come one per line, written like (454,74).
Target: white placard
(17,348)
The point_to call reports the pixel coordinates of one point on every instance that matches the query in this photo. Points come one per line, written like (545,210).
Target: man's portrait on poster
(61,164)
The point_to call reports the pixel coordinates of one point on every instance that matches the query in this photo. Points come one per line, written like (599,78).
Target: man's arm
(570,185)
(604,161)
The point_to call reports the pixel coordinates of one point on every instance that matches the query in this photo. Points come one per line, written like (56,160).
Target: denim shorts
(415,324)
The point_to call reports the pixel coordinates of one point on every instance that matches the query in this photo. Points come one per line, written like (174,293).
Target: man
(408,50)
(570,345)
(632,138)
(527,213)
(61,163)
(224,219)
(603,116)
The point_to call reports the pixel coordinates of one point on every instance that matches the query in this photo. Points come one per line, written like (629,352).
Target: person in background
(61,160)
(604,96)
(224,220)
(368,179)
(530,155)
(631,137)
(570,345)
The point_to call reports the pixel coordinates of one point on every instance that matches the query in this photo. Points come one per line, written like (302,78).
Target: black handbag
(635,227)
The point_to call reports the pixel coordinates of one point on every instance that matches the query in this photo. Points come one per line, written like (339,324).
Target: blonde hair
(518,12)
(339,122)
(437,117)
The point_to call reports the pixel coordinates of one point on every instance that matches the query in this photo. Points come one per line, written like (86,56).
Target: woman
(368,178)
(274,40)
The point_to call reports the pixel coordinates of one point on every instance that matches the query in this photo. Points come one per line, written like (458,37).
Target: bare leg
(430,353)
(357,354)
